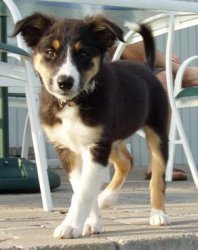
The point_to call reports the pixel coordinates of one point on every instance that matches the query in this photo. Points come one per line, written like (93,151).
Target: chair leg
(38,142)
(172,141)
(189,156)
(26,138)
(187,150)
(41,162)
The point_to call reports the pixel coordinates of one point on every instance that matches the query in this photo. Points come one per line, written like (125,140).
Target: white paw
(107,198)
(92,227)
(65,231)
(158,218)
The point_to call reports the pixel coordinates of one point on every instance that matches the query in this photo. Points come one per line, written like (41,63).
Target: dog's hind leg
(158,146)
(123,162)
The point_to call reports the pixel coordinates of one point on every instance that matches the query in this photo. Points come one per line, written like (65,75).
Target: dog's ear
(33,27)
(104,31)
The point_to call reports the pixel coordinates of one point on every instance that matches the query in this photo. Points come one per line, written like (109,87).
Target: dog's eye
(83,56)
(50,53)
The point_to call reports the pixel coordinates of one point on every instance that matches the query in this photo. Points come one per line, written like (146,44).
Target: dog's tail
(149,43)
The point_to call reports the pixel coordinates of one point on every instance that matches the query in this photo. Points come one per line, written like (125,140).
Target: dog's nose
(65,82)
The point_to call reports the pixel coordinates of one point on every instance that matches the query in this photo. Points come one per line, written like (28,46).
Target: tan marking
(78,46)
(39,66)
(89,74)
(157,184)
(56,44)
(43,71)
(122,161)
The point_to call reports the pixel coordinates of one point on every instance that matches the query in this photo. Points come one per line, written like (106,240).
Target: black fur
(146,32)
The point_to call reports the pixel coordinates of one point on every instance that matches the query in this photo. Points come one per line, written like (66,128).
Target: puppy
(88,108)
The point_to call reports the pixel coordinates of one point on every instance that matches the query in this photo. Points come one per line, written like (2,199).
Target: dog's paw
(158,218)
(92,227)
(107,198)
(64,231)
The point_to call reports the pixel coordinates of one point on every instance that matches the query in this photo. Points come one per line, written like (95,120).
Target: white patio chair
(178,97)
(23,77)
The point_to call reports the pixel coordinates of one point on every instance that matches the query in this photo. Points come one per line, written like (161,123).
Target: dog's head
(67,54)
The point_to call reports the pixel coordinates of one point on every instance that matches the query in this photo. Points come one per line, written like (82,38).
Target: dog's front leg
(93,224)
(83,198)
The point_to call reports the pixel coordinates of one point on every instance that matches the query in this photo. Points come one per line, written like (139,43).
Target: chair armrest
(13,49)
(180,74)
(188,92)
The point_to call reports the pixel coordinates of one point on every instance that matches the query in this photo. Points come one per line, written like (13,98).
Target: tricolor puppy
(88,108)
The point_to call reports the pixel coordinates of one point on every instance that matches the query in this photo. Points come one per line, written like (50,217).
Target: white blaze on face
(68,69)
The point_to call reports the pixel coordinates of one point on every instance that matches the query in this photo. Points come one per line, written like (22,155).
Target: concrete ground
(24,225)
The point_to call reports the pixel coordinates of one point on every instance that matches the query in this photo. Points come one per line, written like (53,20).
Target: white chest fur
(72,132)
